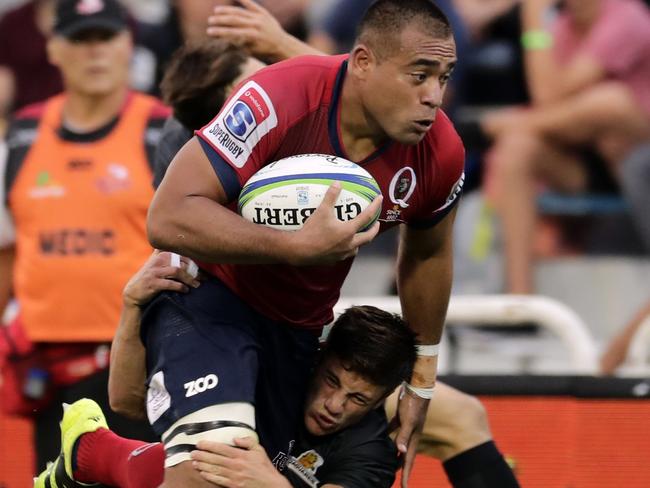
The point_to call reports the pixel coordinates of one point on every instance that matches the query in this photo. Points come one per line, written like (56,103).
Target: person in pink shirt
(587,65)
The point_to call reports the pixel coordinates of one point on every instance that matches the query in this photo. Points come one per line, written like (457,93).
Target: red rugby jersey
(292,108)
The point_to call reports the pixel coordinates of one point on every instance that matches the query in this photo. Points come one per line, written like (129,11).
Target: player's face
(339,398)
(94,62)
(404,91)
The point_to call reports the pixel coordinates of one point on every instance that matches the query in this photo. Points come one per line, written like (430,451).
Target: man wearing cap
(77,188)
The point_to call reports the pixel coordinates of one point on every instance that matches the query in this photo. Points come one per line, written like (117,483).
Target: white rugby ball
(286,192)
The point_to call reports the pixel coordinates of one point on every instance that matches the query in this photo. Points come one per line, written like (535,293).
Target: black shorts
(210,339)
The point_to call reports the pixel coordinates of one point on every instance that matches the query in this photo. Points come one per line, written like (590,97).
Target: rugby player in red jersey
(254,324)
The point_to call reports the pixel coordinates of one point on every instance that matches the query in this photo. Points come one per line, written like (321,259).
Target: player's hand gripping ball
(285,193)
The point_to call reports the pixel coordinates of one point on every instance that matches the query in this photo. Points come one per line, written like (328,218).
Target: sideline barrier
(510,310)
(528,421)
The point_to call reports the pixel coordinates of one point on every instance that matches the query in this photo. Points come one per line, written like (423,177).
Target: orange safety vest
(80,211)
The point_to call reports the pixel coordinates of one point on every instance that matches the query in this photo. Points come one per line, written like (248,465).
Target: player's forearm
(204,230)
(290,47)
(126,383)
(424,288)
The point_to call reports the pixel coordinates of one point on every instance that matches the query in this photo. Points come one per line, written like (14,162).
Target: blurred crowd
(571,77)
(550,98)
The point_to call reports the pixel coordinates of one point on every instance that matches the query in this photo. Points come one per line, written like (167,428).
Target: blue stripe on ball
(359,180)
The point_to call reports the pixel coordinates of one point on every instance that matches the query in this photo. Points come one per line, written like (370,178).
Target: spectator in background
(291,14)
(78,186)
(185,22)
(26,75)
(588,73)
(617,350)
(334,33)
(635,184)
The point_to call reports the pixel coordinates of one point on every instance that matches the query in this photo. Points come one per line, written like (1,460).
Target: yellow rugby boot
(82,417)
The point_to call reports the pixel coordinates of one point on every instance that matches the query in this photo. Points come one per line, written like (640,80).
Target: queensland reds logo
(402,186)
(246,114)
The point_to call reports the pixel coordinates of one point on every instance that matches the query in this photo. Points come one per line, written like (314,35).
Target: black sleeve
(174,136)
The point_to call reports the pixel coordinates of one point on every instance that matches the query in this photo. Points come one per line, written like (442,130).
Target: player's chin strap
(424,371)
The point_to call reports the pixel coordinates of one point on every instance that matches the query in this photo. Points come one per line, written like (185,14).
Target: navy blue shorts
(211,331)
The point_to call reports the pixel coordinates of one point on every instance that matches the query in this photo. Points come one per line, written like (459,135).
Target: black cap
(74,16)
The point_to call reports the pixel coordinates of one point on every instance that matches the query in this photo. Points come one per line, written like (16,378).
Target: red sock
(104,457)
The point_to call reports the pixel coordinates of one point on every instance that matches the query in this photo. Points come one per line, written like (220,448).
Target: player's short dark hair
(385,20)
(374,344)
(198,78)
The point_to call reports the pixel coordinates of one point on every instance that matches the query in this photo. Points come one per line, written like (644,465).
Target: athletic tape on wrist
(425,393)
(428,349)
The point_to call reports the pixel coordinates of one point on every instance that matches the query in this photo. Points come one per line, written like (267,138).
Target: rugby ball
(286,192)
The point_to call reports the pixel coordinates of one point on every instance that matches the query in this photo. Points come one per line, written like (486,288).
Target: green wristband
(536,40)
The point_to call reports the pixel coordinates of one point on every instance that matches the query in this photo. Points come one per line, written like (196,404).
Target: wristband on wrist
(425,393)
(428,349)
(536,40)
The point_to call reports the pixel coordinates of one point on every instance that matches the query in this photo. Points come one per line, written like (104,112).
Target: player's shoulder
(306,65)
(302,74)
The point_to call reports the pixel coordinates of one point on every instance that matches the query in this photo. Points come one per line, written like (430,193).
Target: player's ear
(361,60)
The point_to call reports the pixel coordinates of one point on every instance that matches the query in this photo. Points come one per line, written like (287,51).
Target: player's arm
(424,276)
(126,382)
(188,216)
(246,465)
(254,28)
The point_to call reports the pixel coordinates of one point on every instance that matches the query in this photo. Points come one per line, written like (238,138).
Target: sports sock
(104,457)
(482,466)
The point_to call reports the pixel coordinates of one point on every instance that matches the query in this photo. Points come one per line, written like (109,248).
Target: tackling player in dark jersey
(344,439)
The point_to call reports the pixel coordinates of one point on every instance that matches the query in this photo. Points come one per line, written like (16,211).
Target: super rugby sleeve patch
(247,117)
